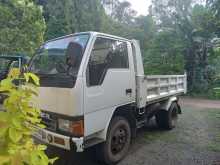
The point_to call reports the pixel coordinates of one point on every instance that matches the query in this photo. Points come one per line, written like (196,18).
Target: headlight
(74,127)
(64,125)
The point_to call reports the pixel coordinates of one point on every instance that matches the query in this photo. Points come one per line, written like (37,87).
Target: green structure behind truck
(7,62)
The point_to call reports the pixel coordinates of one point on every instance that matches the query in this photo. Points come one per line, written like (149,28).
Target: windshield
(57,62)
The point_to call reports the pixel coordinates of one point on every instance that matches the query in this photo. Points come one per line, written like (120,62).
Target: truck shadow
(88,157)
(72,158)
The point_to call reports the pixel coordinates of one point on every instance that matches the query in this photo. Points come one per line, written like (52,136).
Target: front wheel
(117,142)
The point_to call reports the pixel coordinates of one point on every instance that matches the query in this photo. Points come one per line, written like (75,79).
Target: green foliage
(19,121)
(214,6)
(21,26)
(164,55)
(216,92)
(120,11)
(193,28)
(70,16)
(175,36)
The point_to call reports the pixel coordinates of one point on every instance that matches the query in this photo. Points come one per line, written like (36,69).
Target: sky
(141,6)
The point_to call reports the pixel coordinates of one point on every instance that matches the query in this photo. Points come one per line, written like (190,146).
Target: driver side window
(106,54)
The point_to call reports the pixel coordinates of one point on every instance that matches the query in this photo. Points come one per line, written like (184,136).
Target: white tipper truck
(94,92)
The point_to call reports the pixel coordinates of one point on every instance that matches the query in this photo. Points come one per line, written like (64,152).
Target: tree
(70,16)
(164,55)
(204,32)
(188,25)
(120,11)
(145,31)
(22,26)
(214,6)
(193,24)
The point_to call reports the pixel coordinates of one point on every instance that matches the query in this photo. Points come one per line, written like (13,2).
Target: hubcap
(118,141)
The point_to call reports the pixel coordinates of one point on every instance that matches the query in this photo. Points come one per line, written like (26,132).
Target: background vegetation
(176,35)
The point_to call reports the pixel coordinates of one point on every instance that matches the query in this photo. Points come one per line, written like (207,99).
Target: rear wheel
(117,142)
(168,119)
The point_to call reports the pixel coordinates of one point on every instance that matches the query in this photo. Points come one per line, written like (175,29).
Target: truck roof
(92,33)
(12,56)
(23,58)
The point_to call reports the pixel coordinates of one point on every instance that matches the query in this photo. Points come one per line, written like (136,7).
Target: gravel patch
(195,141)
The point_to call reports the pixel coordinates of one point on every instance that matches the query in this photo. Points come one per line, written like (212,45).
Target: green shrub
(216,93)
(17,122)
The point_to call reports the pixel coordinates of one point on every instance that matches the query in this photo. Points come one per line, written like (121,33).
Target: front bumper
(58,140)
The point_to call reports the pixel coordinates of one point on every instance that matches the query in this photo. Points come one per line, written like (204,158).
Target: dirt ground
(195,140)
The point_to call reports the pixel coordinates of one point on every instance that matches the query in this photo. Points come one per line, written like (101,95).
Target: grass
(215,114)
(187,131)
(215,144)
(211,94)
(158,135)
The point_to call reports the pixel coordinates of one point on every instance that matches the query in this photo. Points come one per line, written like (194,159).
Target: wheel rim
(119,140)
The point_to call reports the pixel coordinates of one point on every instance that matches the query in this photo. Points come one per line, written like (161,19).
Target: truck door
(110,81)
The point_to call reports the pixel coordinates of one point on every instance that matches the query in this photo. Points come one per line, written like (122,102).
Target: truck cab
(93,92)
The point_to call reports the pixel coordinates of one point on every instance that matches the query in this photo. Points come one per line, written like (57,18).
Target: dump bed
(156,87)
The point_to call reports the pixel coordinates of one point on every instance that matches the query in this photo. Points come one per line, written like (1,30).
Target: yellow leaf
(16,159)
(14,73)
(15,135)
(26,76)
(33,77)
(4,159)
(6,85)
(51,161)
(41,147)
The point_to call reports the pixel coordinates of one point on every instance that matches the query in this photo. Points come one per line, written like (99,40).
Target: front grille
(50,124)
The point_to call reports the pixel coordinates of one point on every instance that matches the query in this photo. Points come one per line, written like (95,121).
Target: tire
(168,119)
(119,132)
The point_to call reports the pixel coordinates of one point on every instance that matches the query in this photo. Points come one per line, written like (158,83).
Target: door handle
(128,91)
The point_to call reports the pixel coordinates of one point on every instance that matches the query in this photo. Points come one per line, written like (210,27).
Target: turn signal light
(77,128)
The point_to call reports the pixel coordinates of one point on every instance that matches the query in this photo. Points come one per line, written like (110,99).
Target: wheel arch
(165,105)
(127,111)
(124,111)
